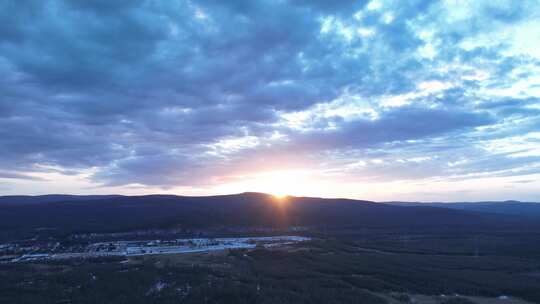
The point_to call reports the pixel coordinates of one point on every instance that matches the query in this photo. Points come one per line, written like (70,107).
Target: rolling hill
(513,208)
(68,214)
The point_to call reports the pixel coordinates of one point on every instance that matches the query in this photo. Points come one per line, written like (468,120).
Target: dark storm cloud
(141,91)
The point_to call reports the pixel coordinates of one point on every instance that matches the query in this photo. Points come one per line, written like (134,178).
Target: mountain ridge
(54,197)
(122,213)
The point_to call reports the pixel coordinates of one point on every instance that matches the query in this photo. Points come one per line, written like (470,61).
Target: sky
(379,100)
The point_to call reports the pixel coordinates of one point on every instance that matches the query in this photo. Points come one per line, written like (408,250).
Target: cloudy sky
(382,100)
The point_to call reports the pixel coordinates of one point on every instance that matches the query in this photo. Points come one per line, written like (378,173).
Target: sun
(279,196)
(281,184)
(278,183)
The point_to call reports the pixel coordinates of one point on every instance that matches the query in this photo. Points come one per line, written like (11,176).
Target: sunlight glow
(279,183)
(280,196)
(283,183)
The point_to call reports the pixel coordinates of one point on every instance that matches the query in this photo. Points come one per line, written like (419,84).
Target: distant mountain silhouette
(514,208)
(66,213)
(49,198)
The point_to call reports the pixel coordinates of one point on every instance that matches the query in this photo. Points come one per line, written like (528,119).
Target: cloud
(15,175)
(187,93)
(400,124)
